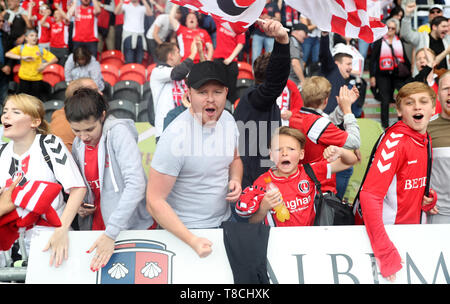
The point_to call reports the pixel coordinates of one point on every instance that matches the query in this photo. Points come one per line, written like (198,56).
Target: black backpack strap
(3,148)
(45,153)
(429,163)
(312,176)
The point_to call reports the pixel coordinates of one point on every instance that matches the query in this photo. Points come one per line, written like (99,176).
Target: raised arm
(277,72)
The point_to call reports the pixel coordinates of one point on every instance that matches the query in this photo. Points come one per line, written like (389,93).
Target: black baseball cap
(206,71)
(300,27)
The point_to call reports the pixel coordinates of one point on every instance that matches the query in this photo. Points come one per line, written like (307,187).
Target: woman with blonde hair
(40,158)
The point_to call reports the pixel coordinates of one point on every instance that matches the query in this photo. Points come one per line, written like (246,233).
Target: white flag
(349,18)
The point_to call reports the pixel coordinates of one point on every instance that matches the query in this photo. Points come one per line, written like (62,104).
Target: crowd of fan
(175,39)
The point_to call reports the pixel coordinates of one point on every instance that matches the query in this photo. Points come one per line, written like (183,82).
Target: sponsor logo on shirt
(415,183)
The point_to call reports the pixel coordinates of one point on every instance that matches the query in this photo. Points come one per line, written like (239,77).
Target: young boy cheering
(297,190)
(393,191)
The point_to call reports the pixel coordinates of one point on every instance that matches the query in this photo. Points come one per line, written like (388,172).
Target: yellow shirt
(425,28)
(29,70)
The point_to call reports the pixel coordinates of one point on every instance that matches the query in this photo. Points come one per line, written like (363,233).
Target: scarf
(387,61)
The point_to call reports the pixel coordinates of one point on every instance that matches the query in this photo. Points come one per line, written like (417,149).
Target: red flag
(349,18)
(238,15)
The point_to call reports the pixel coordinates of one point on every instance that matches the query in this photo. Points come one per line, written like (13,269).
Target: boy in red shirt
(393,191)
(297,190)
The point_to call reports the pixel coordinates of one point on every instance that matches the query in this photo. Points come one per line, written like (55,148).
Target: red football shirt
(92,177)
(44,30)
(59,35)
(227,40)
(85,25)
(185,37)
(320,133)
(393,190)
(298,192)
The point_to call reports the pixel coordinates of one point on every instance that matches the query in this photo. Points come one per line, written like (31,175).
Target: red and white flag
(349,18)
(236,15)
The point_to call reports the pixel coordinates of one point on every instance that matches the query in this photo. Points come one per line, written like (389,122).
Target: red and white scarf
(387,60)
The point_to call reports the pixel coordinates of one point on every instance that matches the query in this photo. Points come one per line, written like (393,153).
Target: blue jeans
(311,47)
(133,55)
(363,47)
(342,179)
(260,42)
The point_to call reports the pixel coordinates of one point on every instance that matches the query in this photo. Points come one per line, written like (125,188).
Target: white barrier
(336,255)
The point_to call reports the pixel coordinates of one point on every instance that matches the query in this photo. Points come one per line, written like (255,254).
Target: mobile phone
(88,206)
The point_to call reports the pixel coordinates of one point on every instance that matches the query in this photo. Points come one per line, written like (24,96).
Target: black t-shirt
(437,45)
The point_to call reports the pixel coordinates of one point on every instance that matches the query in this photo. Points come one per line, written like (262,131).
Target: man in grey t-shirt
(298,35)
(196,169)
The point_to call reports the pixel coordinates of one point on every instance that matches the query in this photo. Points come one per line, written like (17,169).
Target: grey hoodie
(122,178)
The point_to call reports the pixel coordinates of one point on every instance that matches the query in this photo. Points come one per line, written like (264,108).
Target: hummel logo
(393,135)
(387,156)
(412,162)
(383,168)
(390,144)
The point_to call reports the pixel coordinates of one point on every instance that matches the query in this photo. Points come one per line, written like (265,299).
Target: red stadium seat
(53,74)
(149,70)
(112,57)
(110,73)
(133,71)
(245,70)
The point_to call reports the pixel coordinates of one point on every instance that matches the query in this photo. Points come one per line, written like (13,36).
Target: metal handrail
(415,17)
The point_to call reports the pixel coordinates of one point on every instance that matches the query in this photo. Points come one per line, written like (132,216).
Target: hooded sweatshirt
(121,176)
(393,190)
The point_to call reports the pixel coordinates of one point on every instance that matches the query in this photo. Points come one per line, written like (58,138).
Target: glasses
(391,28)
(435,11)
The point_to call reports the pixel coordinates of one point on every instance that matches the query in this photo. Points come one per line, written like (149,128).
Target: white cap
(436,6)
(341,48)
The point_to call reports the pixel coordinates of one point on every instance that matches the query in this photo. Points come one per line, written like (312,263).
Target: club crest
(138,262)
(303,186)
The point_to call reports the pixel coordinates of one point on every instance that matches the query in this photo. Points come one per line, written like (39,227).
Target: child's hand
(429,203)
(28,58)
(270,200)
(331,153)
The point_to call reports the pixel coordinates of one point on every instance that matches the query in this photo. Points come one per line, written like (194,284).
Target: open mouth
(285,163)
(7,126)
(210,111)
(418,117)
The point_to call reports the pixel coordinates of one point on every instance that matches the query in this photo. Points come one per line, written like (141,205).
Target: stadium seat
(245,70)
(59,91)
(149,70)
(133,71)
(51,106)
(112,57)
(122,108)
(53,74)
(242,84)
(146,91)
(110,73)
(142,114)
(46,91)
(107,91)
(127,89)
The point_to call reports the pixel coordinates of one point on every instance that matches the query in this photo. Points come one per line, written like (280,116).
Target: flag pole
(264,21)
